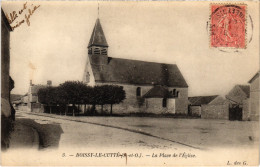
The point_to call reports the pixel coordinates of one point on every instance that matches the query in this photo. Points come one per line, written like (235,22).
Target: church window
(164,102)
(174,92)
(97,51)
(104,51)
(138,91)
(177,94)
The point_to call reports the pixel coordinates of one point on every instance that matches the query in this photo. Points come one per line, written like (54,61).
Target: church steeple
(97,43)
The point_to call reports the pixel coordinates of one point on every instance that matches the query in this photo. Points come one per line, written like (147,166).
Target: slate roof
(254,77)
(98,37)
(138,72)
(246,89)
(158,92)
(199,100)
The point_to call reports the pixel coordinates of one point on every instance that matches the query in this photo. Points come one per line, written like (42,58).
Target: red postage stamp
(228,26)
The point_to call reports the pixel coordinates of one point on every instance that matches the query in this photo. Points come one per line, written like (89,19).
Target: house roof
(254,77)
(158,92)
(36,88)
(138,72)
(5,20)
(199,100)
(98,37)
(245,89)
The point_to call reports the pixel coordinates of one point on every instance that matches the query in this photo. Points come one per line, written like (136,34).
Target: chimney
(49,83)
(30,82)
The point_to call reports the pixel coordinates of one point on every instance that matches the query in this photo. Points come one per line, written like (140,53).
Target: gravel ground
(193,133)
(209,142)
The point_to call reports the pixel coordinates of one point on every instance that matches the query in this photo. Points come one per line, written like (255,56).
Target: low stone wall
(195,110)
(215,111)
(23,107)
(37,107)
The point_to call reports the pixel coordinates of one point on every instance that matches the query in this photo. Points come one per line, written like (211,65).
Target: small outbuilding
(238,100)
(198,103)
(159,100)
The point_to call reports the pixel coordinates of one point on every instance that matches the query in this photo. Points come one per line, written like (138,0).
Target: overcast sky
(54,46)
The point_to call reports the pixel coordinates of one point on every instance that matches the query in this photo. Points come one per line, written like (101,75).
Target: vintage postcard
(130,83)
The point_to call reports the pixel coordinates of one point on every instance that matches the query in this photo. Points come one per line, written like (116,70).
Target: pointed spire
(98,11)
(98,37)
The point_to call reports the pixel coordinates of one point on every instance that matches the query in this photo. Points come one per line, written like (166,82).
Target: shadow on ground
(49,134)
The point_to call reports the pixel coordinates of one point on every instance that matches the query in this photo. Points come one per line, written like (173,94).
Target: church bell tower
(98,47)
(97,43)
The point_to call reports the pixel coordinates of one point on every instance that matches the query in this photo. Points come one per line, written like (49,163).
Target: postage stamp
(228,26)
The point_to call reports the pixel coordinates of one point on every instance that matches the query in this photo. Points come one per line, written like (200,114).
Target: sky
(54,46)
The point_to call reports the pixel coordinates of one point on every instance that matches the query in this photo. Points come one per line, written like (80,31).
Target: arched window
(164,102)
(174,92)
(138,91)
(177,94)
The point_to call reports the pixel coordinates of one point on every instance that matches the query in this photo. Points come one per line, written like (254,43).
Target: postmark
(228,26)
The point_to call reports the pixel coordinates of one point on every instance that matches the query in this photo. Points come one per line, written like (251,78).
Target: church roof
(158,91)
(127,71)
(98,37)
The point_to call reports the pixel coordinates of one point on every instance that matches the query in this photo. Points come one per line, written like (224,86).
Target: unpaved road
(144,132)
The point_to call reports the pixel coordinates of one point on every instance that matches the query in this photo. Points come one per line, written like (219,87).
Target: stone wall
(215,111)
(182,101)
(254,99)
(171,106)
(37,107)
(246,110)
(195,110)
(155,106)
(134,104)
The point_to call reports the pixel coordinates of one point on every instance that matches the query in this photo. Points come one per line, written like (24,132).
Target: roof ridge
(141,61)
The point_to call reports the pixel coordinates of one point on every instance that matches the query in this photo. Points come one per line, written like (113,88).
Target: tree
(114,95)
(73,93)
(48,96)
(87,97)
(100,95)
(42,93)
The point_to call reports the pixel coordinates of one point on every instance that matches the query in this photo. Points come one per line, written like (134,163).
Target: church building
(150,87)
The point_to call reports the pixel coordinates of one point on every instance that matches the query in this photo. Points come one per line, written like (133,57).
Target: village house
(33,103)
(149,86)
(254,97)
(238,99)
(22,104)
(211,107)
(29,101)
